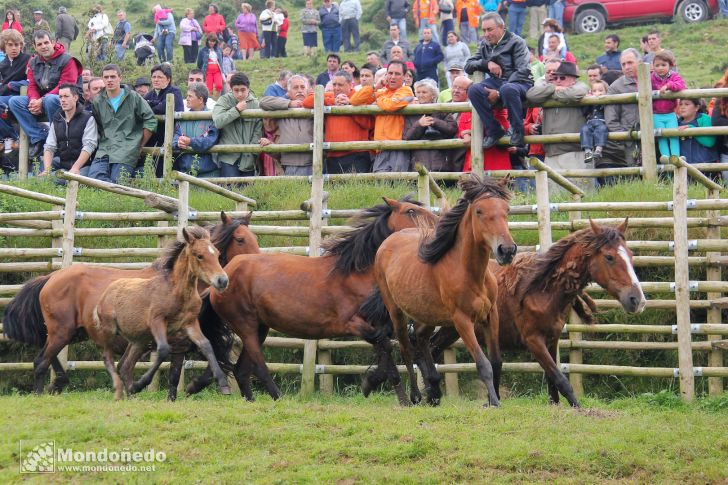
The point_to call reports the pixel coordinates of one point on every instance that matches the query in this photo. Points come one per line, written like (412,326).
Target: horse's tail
(23,320)
(375,312)
(220,337)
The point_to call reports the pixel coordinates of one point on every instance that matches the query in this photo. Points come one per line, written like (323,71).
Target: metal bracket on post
(553,207)
(695,328)
(60,252)
(564,368)
(79,215)
(698,371)
(77,251)
(320,369)
(192,214)
(675,372)
(71,365)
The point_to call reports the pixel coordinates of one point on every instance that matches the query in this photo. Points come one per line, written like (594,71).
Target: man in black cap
(562,86)
(505,58)
(142,85)
(66,28)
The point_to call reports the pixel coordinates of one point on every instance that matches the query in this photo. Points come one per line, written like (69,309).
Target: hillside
(698,47)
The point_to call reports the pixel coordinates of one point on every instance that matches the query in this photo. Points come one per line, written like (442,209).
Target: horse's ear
(245,220)
(391,202)
(505,181)
(226,219)
(623,226)
(188,237)
(596,228)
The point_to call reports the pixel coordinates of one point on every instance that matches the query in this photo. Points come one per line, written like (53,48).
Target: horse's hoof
(225,390)
(493,404)
(434,402)
(405,403)
(416,398)
(171,397)
(366,387)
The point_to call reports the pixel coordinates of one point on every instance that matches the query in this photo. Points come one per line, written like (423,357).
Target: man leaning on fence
(47,70)
(235,130)
(505,58)
(125,124)
(293,130)
(563,86)
(196,137)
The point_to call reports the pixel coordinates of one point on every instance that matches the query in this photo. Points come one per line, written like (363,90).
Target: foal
(138,308)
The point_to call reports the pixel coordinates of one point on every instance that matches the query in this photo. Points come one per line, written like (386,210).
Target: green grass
(214,439)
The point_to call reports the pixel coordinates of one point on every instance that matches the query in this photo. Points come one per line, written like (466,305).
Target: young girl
(209,61)
(594,133)
(282,33)
(160,13)
(696,149)
(664,79)
(228,63)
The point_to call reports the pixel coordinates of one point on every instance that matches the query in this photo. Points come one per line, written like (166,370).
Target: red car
(589,16)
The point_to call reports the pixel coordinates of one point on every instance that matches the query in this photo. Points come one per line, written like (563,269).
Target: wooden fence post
(326,381)
(168,135)
(543,210)
(575,355)
(647,126)
(713,273)
(308,377)
(682,282)
(423,188)
(476,135)
(23,145)
(65,243)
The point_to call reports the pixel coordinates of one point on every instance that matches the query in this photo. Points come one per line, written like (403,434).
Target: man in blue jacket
(330,26)
(428,55)
(506,61)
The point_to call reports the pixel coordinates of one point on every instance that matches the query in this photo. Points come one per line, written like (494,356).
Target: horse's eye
(200,257)
(609,258)
(240,240)
(411,212)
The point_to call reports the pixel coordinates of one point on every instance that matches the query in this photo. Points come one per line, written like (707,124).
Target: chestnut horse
(306,297)
(445,279)
(536,292)
(167,303)
(52,310)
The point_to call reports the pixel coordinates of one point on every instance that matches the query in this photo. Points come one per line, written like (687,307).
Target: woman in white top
(269,22)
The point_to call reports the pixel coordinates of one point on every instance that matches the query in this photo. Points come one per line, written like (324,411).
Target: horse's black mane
(543,271)
(356,249)
(166,262)
(222,235)
(432,250)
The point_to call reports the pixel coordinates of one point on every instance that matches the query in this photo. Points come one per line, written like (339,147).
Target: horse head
(489,218)
(202,257)
(611,267)
(405,214)
(233,237)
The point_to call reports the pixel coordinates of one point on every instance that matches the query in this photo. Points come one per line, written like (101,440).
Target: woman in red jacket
(214,23)
(11,22)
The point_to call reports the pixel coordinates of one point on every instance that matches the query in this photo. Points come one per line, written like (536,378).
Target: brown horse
(445,279)
(167,303)
(305,297)
(536,292)
(51,311)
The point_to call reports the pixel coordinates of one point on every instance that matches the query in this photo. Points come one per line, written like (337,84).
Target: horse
(52,311)
(536,292)
(444,279)
(305,297)
(167,303)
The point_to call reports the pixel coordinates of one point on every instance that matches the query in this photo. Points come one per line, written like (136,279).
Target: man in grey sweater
(66,28)
(396,11)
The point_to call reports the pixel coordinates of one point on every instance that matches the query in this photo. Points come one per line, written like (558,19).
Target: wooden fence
(59,223)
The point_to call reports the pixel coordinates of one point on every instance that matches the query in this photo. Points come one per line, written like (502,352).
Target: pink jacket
(674,82)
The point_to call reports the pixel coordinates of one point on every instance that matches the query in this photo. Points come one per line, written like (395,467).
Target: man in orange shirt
(344,128)
(393,95)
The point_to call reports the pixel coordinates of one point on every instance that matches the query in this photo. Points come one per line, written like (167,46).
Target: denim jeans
(448,25)
(468,34)
(556,11)
(594,134)
(512,96)
(332,39)
(350,28)
(27,120)
(516,18)
(6,129)
(723,5)
(120,52)
(165,47)
(425,24)
(269,49)
(227,170)
(102,170)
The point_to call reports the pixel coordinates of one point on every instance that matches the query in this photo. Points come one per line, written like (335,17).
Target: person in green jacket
(125,124)
(235,130)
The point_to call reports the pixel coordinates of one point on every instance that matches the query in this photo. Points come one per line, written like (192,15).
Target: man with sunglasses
(506,61)
(563,85)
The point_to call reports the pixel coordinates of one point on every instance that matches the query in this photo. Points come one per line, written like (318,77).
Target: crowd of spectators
(97,125)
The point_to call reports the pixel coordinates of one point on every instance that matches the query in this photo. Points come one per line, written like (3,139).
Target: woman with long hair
(12,22)
(209,61)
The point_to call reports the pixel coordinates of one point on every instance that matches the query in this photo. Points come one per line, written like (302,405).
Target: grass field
(346,440)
